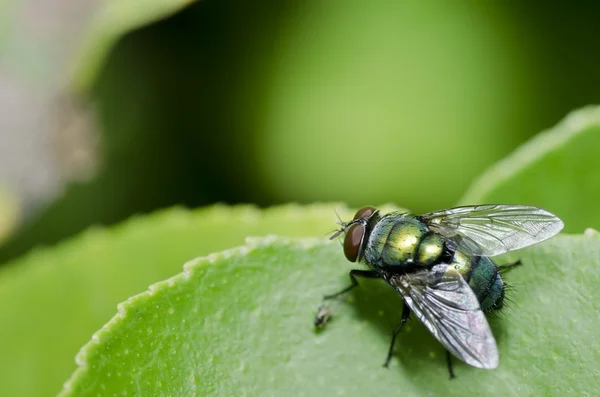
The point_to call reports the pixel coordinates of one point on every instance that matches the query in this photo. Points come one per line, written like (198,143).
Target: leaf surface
(239,322)
(52,300)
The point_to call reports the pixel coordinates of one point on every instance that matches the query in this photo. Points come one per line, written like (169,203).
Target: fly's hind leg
(324,312)
(449,363)
(508,266)
(404,318)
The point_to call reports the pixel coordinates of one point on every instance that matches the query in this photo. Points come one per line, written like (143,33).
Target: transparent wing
(494,229)
(446,305)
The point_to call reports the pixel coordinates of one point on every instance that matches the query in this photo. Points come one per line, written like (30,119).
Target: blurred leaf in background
(49,135)
(558,170)
(111,20)
(35,43)
(9,213)
(307,101)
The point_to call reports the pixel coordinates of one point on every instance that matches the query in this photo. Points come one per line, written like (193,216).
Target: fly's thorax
(430,249)
(402,241)
(377,234)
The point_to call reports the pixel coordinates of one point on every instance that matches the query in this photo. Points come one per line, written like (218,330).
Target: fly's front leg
(353,274)
(403,320)
(324,312)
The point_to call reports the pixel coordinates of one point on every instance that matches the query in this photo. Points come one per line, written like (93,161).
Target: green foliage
(52,300)
(37,50)
(558,170)
(9,213)
(113,19)
(239,323)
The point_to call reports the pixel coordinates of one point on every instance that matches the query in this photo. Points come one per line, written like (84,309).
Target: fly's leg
(404,318)
(353,274)
(508,266)
(449,363)
(324,312)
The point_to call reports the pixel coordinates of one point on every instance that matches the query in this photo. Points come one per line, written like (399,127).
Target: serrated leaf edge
(177,214)
(189,268)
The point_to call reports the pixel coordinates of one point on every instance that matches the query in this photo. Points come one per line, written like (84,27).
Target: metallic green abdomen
(483,278)
(495,296)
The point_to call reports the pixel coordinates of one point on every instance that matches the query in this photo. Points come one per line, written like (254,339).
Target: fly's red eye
(353,240)
(364,212)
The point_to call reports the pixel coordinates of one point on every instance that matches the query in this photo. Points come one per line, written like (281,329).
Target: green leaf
(52,300)
(113,19)
(558,170)
(9,213)
(240,323)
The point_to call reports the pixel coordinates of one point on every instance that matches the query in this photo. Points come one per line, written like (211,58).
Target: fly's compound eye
(364,213)
(353,241)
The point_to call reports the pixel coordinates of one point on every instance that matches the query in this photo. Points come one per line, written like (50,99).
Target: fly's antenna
(340,222)
(337,232)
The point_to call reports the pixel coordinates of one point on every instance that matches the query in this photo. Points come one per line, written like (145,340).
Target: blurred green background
(114,108)
(272,102)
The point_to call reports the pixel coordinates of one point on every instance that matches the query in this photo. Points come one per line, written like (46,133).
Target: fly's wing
(446,305)
(494,229)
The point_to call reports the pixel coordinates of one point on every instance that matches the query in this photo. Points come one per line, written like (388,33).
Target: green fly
(439,263)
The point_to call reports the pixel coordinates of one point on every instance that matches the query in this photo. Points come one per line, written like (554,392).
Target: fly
(440,264)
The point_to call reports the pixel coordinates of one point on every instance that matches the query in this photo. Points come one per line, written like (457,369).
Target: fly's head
(355,233)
